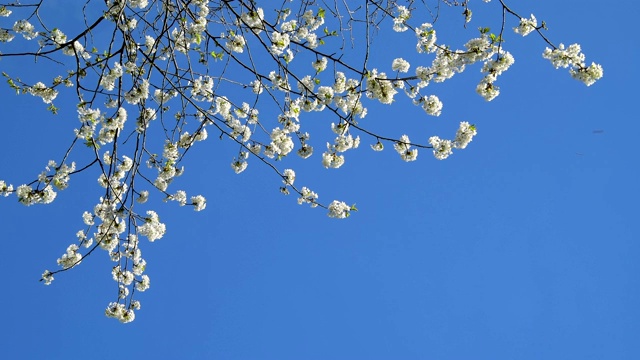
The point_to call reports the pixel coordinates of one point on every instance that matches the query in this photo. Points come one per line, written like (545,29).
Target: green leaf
(53,109)
(92,144)
(321,13)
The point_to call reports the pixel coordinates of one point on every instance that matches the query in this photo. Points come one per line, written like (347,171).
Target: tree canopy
(153,79)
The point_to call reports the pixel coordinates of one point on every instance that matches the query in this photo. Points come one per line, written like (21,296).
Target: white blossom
(5,190)
(6,36)
(108,79)
(279,42)
(138,93)
(236,43)
(339,210)
(141,4)
(180,196)
(47,276)
(87,218)
(426,38)
(4,12)
(254,20)
(487,89)
(320,65)
(332,160)
(47,94)
(526,26)
(441,148)
(26,29)
(143,196)
(153,229)
(497,67)
(379,88)
(464,135)
(199,202)
(305,151)
(307,196)
(403,148)
(281,142)
(564,57)
(71,258)
(311,20)
(431,105)
(239,165)
(289,177)
(143,284)
(399,22)
(400,65)
(588,75)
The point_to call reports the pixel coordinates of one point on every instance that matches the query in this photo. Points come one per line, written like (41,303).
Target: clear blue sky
(523,246)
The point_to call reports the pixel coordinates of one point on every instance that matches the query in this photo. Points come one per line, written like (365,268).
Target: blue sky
(522,246)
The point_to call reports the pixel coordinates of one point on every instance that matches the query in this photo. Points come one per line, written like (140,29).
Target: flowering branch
(153,78)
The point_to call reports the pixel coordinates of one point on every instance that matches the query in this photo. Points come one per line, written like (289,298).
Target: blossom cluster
(573,58)
(526,26)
